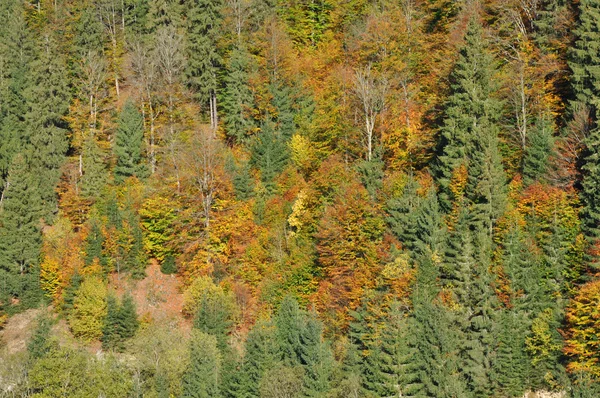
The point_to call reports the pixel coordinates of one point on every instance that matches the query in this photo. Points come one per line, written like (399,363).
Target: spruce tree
(536,159)
(270,154)
(94,244)
(202,377)
(470,117)
(260,356)
(214,318)
(94,170)
(203,60)
(39,344)
(317,358)
(128,145)
(48,99)
(289,322)
(111,338)
(237,101)
(20,235)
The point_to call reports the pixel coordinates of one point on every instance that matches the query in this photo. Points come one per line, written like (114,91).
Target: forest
(303,198)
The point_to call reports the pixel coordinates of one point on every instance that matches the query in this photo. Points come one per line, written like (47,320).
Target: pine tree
(203,59)
(94,244)
(128,322)
(237,101)
(260,356)
(39,344)
(316,358)
(17,52)
(214,318)
(128,146)
(202,377)
(94,170)
(585,55)
(289,322)
(48,99)
(111,338)
(269,154)
(536,160)
(20,236)
(471,117)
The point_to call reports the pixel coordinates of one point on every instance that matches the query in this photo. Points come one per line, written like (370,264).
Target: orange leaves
(583,335)
(347,241)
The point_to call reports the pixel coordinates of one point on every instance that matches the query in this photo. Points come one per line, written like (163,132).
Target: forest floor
(158,298)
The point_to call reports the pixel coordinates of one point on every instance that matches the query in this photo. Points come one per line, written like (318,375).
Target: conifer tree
(260,356)
(17,52)
(202,377)
(214,318)
(203,60)
(237,101)
(536,160)
(39,343)
(94,171)
(128,146)
(20,235)
(316,358)
(269,154)
(94,244)
(471,116)
(289,323)
(48,99)
(111,338)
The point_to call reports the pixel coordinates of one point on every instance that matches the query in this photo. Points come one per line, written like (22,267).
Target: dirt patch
(18,330)
(157,297)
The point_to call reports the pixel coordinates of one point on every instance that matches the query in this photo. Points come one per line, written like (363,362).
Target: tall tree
(20,235)
(470,124)
(202,25)
(237,99)
(203,375)
(128,146)
(48,101)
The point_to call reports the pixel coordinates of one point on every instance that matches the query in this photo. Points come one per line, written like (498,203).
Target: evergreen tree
(214,318)
(536,159)
(94,171)
(201,379)
(39,344)
(111,338)
(283,102)
(94,244)
(48,99)
(471,117)
(289,322)
(70,292)
(316,358)
(128,318)
(585,55)
(269,154)
(17,52)
(510,369)
(260,356)
(237,101)
(20,236)
(203,60)
(243,183)
(129,144)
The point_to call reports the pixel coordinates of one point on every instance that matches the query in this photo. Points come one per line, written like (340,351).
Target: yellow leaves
(540,343)
(302,153)
(583,342)
(50,279)
(89,309)
(203,287)
(299,210)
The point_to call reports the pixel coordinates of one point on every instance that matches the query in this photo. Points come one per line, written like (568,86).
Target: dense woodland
(354,198)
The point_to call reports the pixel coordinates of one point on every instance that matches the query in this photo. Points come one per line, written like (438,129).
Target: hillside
(311,198)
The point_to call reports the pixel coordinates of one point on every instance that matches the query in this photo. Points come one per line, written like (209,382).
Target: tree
(128,146)
(202,25)
(94,170)
(269,154)
(39,344)
(89,309)
(260,356)
(120,323)
(582,344)
(237,101)
(48,100)
(371,92)
(20,236)
(536,160)
(202,378)
(470,123)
